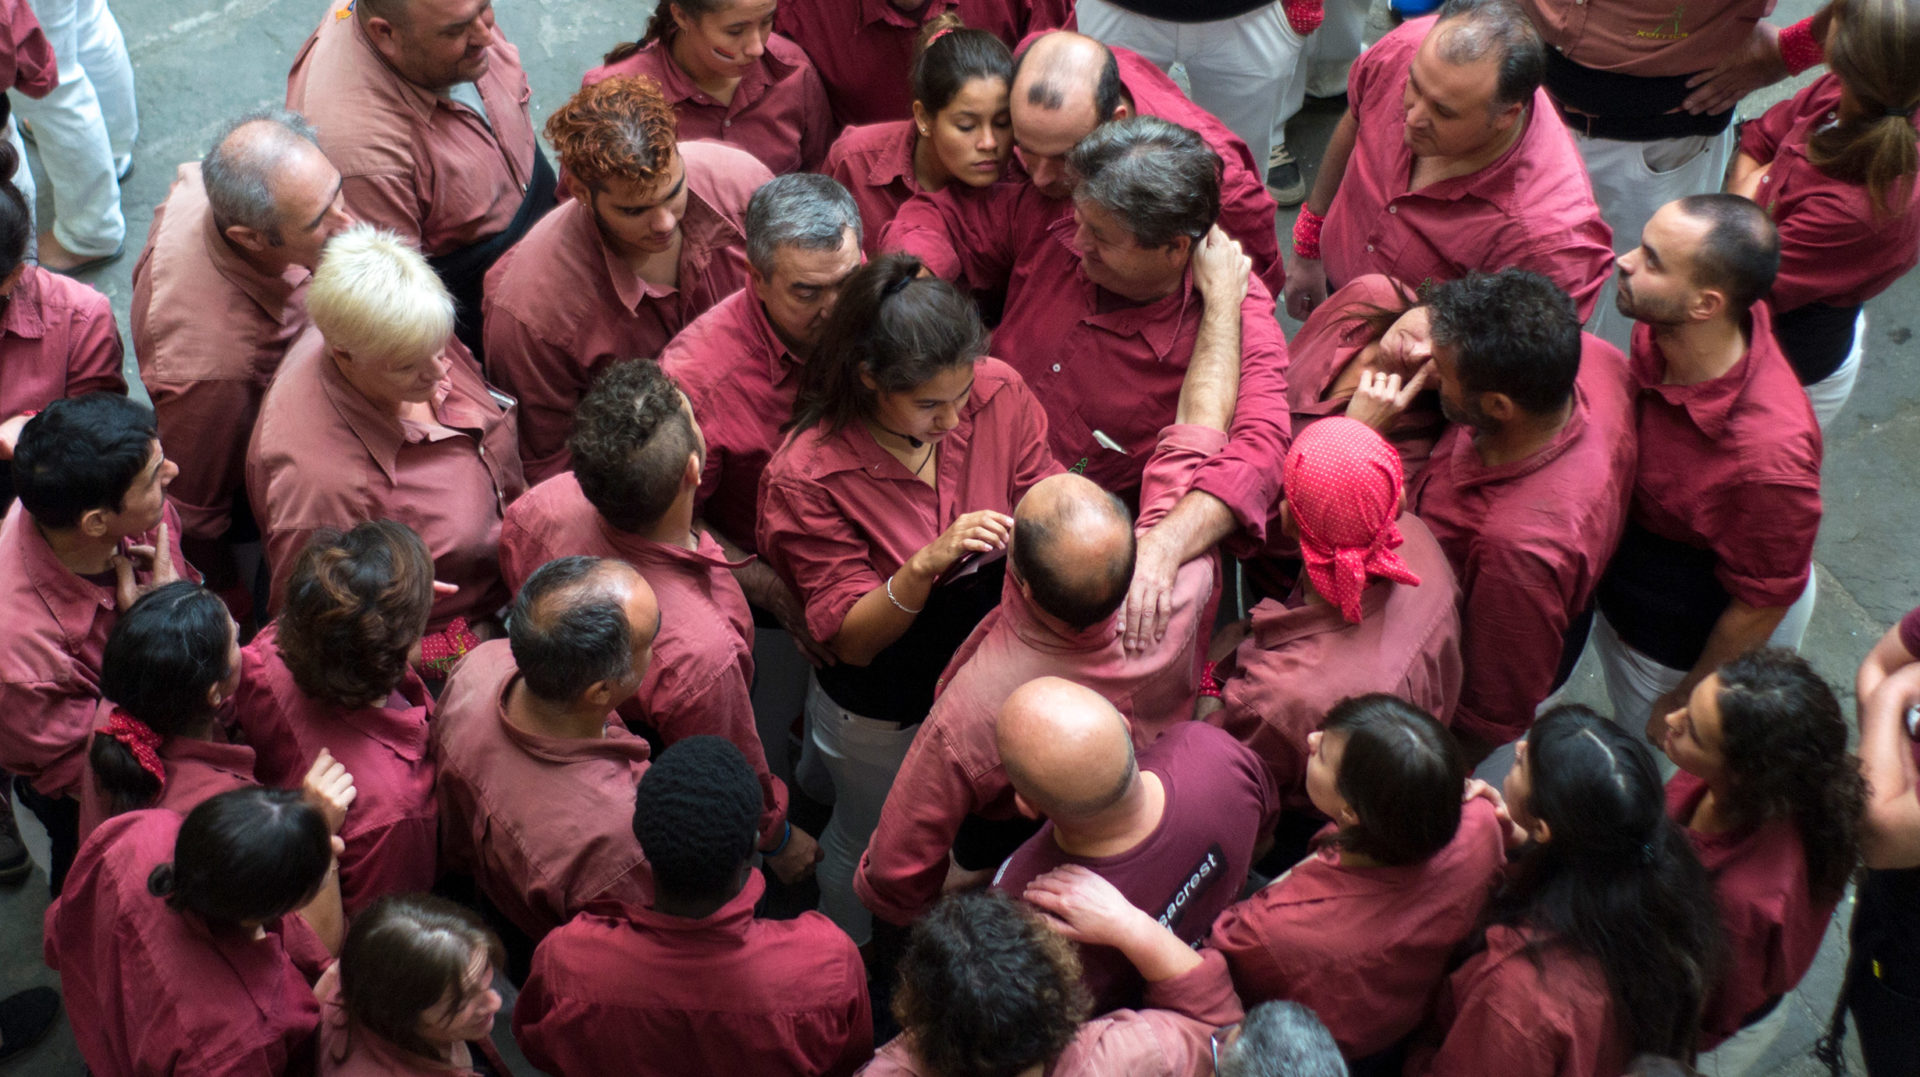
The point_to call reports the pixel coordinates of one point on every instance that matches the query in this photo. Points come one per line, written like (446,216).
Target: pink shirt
(1363,947)
(57,339)
(50,648)
(210,331)
(544,824)
(150,990)
(1773,922)
(392,831)
(415,161)
(346,1051)
(1502,1013)
(1532,207)
(875,164)
(863,49)
(741,380)
(1327,344)
(1073,342)
(197,771)
(1647,38)
(649,993)
(27,62)
(779,110)
(701,677)
(953,768)
(323,455)
(562,306)
(839,514)
(1299,660)
(1529,541)
(1835,246)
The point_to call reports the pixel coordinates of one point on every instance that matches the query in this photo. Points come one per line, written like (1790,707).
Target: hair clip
(896,286)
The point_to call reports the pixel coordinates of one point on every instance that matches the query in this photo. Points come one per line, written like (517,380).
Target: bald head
(581,623)
(1067,751)
(1073,549)
(271,191)
(1064,85)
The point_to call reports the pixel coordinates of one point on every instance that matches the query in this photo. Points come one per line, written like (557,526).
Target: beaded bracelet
(1306,233)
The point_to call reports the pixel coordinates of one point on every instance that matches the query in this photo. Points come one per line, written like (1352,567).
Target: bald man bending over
(1174,830)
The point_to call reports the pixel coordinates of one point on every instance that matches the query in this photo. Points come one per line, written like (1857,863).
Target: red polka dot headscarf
(1343,484)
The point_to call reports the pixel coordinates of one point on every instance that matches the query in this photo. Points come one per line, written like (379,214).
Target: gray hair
(1161,179)
(238,171)
(1282,1039)
(1486,25)
(801,209)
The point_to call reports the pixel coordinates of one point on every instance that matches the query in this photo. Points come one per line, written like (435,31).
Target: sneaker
(15,864)
(26,1018)
(1284,181)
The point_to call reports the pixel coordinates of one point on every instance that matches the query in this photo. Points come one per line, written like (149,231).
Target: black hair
(82,453)
(1282,1039)
(1401,773)
(161,658)
(697,816)
(1058,588)
(16,217)
(1160,179)
(1513,332)
(950,56)
(246,856)
(631,439)
(1501,24)
(568,631)
(1740,254)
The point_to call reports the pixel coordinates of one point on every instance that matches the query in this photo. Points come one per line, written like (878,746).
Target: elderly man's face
(313,206)
(440,43)
(800,290)
(1449,107)
(1113,258)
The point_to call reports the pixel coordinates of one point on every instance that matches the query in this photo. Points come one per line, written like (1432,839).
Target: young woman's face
(973,135)
(469,1017)
(928,411)
(724,43)
(1693,738)
(1408,342)
(1324,754)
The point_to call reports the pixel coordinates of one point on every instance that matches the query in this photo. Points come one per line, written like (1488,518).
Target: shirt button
(483,450)
(1369,248)
(1393,209)
(726,123)
(1056,368)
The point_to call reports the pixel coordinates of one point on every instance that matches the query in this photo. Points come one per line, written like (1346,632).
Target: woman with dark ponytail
(171,663)
(1835,167)
(961,130)
(1772,801)
(731,79)
(1603,943)
(887,511)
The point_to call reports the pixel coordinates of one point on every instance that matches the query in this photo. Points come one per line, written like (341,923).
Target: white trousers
(862,755)
(1829,394)
(1633,179)
(1237,67)
(1740,1054)
(1324,62)
(85,128)
(23,179)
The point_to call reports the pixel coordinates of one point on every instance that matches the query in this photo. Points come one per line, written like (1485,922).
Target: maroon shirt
(1532,207)
(1073,343)
(655,994)
(701,677)
(57,339)
(561,305)
(393,829)
(544,824)
(1647,38)
(779,111)
(1835,245)
(1333,337)
(197,771)
(1529,541)
(1363,947)
(150,990)
(875,164)
(1503,1013)
(1219,803)
(863,49)
(1773,922)
(27,62)
(210,331)
(953,769)
(1301,659)
(741,380)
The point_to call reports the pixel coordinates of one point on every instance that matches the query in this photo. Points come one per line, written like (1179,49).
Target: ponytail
(661,27)
(161,660)
(1874,49)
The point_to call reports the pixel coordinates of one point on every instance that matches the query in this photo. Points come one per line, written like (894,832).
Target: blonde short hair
(375,297)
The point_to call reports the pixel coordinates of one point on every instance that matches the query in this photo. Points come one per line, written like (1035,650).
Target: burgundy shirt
(1532,207)
(323,455)
(1299,660)
(150,990)
(1219,803)
(839,514)
(412,160)
(779,112)
(562,306)
(57,339)
(953,769)
(863,49)
(1773,922)
(27,62)
(1332,337)
(1647,38)
(1363,947)
(741,380)
(1732,465)
(1502,1013)
(1074,342)
(653,994)
(210,331)
(1529,541)
(701,678)
(51,644)
(197,771)
(875,164)
(544,824)
(392,832)
(1835,245)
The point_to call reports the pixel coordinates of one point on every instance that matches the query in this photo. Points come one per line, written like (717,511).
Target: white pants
(862,755)
(780,678)
(1324,62)
(1829,394)
(1237,67)
(1740,1054)
(85,128)
(23,180)
(1633,179)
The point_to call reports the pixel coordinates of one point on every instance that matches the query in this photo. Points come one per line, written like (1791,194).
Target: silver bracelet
(896,602)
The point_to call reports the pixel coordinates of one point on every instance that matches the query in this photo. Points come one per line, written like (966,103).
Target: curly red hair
(618,128)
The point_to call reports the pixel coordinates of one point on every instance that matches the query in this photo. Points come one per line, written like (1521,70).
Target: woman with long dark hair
(1604,942)
(1367,344)
(888,511)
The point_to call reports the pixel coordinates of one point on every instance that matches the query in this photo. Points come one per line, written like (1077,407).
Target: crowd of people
(869,472)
